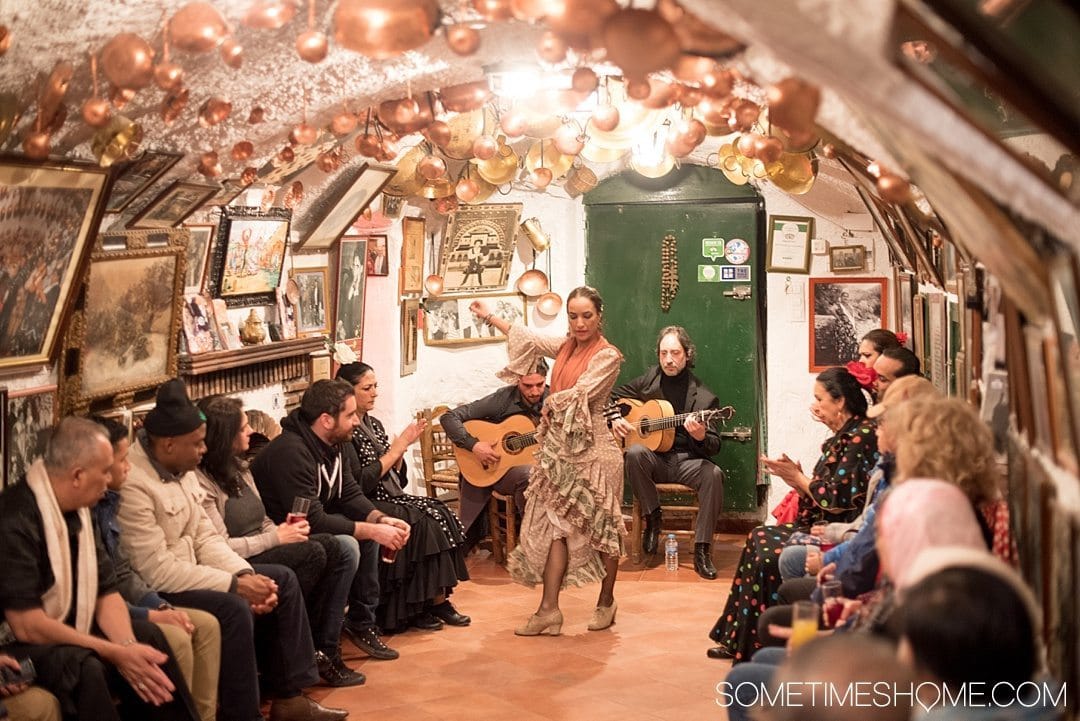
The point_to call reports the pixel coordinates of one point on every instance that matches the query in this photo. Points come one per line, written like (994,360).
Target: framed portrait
(199,329)
(132,179)
(412,256)
(339,204)
(789,244)
(49,216)
(248,255)
(123,340)
(197,252)
(378,260)
(351,280)
(172,205)
(478,248)
(448,321)
(410,319)
(312,315)
(29,416)
(843,310)
(846,258)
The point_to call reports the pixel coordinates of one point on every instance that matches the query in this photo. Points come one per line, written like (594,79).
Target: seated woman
(415,587)
(970,621)
(835,492)
(324,564)
(873,343)
(944,438)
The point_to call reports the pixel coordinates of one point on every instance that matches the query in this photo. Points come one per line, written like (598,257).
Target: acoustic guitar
(514,439)
(655,422)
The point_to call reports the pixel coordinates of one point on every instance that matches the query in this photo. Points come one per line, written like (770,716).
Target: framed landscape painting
(843,310)
(49,216)
(125,337)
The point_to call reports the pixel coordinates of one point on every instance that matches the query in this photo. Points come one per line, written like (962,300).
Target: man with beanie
(689,461)
(174,547)
(306,460)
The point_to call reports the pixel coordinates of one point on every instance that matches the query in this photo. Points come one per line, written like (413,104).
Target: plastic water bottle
(671,553)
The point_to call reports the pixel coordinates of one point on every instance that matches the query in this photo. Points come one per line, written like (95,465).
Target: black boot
(703,561)
(651,538)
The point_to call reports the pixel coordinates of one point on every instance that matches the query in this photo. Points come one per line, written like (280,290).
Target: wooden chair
(442,480)
(670,511)
(437,453)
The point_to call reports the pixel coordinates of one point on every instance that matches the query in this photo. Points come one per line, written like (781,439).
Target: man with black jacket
(308,460)
(690,459)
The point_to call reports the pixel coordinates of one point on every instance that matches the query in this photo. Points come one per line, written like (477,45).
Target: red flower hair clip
(901,338)
(865,375)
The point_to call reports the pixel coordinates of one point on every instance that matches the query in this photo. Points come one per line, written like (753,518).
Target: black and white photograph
(30,416)
(312,314)
(846,258)
(135,177)
(842,312)
(172,205)
(448,321)
(197,248)
(478,248)
(351,277)
(199,331)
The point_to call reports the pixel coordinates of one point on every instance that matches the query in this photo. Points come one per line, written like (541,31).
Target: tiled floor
(649,666)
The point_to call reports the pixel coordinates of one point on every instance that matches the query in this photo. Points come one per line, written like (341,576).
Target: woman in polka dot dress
(835,492)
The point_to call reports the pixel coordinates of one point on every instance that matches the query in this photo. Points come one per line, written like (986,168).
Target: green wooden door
(718,297)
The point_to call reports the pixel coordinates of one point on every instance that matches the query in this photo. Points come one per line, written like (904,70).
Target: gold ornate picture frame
(123,338)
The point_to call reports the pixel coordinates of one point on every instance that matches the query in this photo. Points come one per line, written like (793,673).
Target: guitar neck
(650,425)
(517,443)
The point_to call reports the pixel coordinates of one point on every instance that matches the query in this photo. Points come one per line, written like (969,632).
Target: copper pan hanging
(465,128)
(554,161)
(501,167)
(406,181)
(438,188)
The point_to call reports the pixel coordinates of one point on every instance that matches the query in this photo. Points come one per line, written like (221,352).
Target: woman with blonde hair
(944,438)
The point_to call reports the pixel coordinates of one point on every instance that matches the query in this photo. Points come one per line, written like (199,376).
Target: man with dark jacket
(307,461)
(526,397)
(689,461)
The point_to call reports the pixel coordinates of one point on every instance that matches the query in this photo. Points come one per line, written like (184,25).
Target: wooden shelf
(204,363)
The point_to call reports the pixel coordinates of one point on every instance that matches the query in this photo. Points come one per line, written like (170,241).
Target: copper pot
(384,28)
(502,167)
(406,115)
(128,61)
(549,304)
(197,27)
(465,97)
(532,283)
(434,284)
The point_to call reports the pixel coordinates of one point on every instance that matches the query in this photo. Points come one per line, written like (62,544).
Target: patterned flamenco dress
(575,488)
(837,493)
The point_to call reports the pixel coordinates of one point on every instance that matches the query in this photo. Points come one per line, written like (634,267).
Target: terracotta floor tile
(649,666)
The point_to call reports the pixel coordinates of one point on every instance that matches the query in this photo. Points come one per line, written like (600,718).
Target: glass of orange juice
(804,622)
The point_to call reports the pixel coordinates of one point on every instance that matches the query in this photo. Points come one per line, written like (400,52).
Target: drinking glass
(804,622)
(831,592)
(299,510)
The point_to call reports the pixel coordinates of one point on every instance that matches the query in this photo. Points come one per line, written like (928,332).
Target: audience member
(23,702)
(894,363)
(59,593)
(173,545)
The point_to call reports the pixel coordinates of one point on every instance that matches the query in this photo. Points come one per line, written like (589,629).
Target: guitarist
(690,459)
(526,397)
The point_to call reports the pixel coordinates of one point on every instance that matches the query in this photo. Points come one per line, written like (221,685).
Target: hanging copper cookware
(438,188)
(532,283)
(406,181)
(549,304)
(556,162)
(384,28)
(500,168)
(794,173)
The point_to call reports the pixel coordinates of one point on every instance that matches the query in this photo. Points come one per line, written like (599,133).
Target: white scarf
(57,600)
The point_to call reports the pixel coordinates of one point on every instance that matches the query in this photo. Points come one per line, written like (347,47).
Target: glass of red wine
(832,592)
(299,510)
(387,554)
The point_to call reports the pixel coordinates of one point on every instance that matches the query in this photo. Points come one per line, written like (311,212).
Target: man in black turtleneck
(690,459)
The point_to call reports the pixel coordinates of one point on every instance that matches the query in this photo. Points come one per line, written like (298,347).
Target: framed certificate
(789,244)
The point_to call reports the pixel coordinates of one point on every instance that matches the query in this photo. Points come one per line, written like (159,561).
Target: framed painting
(124,338)
(478,248)
(227,192)
(339,204)
(351,277)
(789,244)
(49,216)
(904,286)
(172,205)
(249,253)
(843,310)
(412,256)
(30,415)
(197,253)
(378,261)
(448,321)
(132,179)
(312,315)
(410,319)
(847,258)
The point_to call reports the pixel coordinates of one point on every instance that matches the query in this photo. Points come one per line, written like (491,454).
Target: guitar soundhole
(643,424)
(511,443)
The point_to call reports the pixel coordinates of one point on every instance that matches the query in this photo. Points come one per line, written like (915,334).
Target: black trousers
(86,685)
(797,589)
(281,641)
